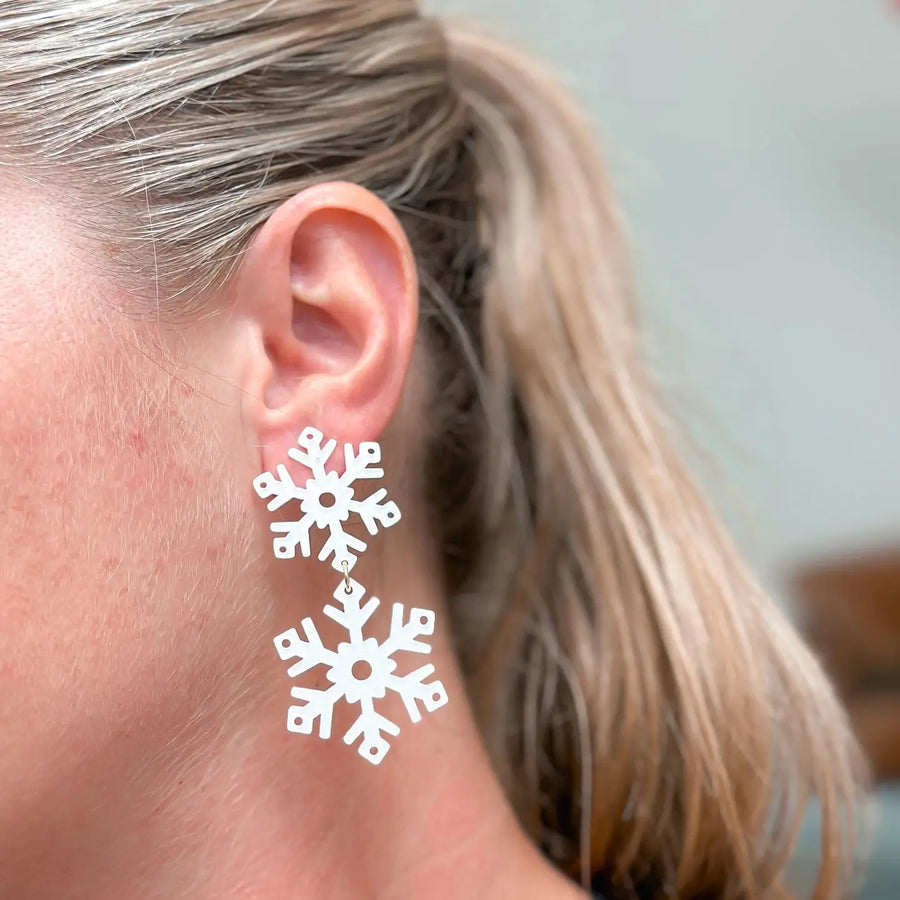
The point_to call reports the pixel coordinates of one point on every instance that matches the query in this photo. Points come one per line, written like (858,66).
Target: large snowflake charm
(360,671)
(327,499)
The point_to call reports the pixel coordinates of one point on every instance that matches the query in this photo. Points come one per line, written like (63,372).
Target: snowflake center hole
(327,499)
(361,670)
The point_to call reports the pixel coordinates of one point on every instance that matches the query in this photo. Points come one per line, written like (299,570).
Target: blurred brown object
(850,613)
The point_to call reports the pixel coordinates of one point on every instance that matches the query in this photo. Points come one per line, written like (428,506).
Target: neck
(235,806)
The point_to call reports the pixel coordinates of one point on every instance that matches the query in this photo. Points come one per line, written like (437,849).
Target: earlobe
(329,286)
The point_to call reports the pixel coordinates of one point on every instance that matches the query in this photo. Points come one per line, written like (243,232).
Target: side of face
(136,607)
(123,529)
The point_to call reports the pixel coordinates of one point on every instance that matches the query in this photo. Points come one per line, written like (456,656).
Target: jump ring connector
(346,567)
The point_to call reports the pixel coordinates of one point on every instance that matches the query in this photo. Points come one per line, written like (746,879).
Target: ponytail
(655,719)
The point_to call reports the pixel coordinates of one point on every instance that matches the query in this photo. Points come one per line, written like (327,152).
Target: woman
(224,224)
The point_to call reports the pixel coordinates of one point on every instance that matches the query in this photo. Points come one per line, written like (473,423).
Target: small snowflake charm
(327,499)
(360,671)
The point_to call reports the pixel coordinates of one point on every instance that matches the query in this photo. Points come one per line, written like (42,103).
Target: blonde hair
(653,716)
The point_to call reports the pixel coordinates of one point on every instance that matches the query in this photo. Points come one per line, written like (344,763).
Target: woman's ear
(328,286)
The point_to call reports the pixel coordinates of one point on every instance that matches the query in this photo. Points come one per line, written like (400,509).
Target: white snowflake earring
(327,499)
(360,670)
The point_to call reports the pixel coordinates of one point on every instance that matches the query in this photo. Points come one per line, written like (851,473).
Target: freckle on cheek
(138,442)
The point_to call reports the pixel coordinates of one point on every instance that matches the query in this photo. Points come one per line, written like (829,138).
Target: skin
(144,751)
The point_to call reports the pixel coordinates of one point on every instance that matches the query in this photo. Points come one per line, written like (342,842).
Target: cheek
(115,602)
(75,474)
(106,550)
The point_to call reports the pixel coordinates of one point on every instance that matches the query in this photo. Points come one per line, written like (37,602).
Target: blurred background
(755,148)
